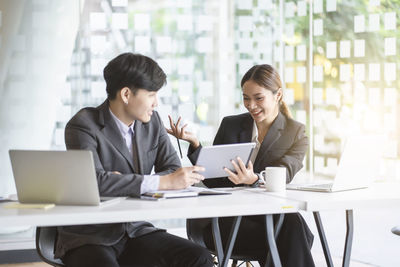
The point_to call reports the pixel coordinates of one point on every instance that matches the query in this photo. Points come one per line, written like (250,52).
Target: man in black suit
(128,139)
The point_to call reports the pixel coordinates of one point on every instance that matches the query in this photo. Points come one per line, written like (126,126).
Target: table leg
(271,241)
(349,238)
(277,227)
(322,237)
(224,256)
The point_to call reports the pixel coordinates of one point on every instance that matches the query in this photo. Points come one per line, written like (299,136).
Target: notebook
(358,166)
(191,191)
(58,177)
(215,158)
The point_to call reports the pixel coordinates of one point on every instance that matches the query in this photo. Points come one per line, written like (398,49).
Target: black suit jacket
(284,145)
(94,129)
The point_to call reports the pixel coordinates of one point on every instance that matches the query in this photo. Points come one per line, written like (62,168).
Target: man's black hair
(134,71)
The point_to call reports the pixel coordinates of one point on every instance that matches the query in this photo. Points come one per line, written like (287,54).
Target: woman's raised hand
(181,133)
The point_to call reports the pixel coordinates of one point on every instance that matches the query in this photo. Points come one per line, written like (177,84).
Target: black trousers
(294,241)
(157,249)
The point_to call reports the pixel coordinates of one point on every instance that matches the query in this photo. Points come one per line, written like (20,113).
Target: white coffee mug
(275,179)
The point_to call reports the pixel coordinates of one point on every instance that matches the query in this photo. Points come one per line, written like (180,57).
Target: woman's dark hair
(266,76)
(134,71)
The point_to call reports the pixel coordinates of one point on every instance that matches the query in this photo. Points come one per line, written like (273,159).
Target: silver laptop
(215,158)
(59,177)
(358,166)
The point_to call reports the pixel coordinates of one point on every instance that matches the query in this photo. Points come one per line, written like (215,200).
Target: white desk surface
(241,202)
(378,195)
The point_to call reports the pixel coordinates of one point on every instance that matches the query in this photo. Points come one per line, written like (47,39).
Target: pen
(179,145)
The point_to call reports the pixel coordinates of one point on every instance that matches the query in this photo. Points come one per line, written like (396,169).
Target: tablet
(215,158)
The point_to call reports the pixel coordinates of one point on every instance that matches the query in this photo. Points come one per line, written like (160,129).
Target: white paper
(374,72)
(245,45)
(288,96)
(204,45)
(301,8)
(163,44)
(119,3)
(119,21)
(301,52)
(185,66)
(142,44)
(359,72)
(344,72)
(390,72)
(333,97)
(359,48)
(373,21)
(318,73)
(289,53)
(204,23)
(331,5)
(345,47)
(245,23)
(389,122)
(360,94)
(318,6)
(142,22)
(301,74)
(265,4)
(97,21)
(374,96)
(374,3)
(244,4)
(185,91)
(318,96)
(390,97)
(289,75)
(359,23)
(331,49)
(318,27)
(205,89)
(390,21)
(289,9)
(185,22)
(390,46)
(97,44)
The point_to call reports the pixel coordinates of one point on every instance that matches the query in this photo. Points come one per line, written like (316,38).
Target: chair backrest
(45,242)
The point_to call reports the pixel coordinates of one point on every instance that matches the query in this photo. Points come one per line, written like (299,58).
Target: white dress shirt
(254,138)
(150,182)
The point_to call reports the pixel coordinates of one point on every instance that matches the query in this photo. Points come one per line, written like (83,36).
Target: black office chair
(194,231)
(45,242)
(396,230)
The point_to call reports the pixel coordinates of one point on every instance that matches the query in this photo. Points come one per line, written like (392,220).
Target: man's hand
(244,175)
(181,133)
(181,178)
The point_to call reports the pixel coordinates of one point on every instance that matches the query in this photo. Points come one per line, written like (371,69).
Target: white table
(241,202)
(378,195)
